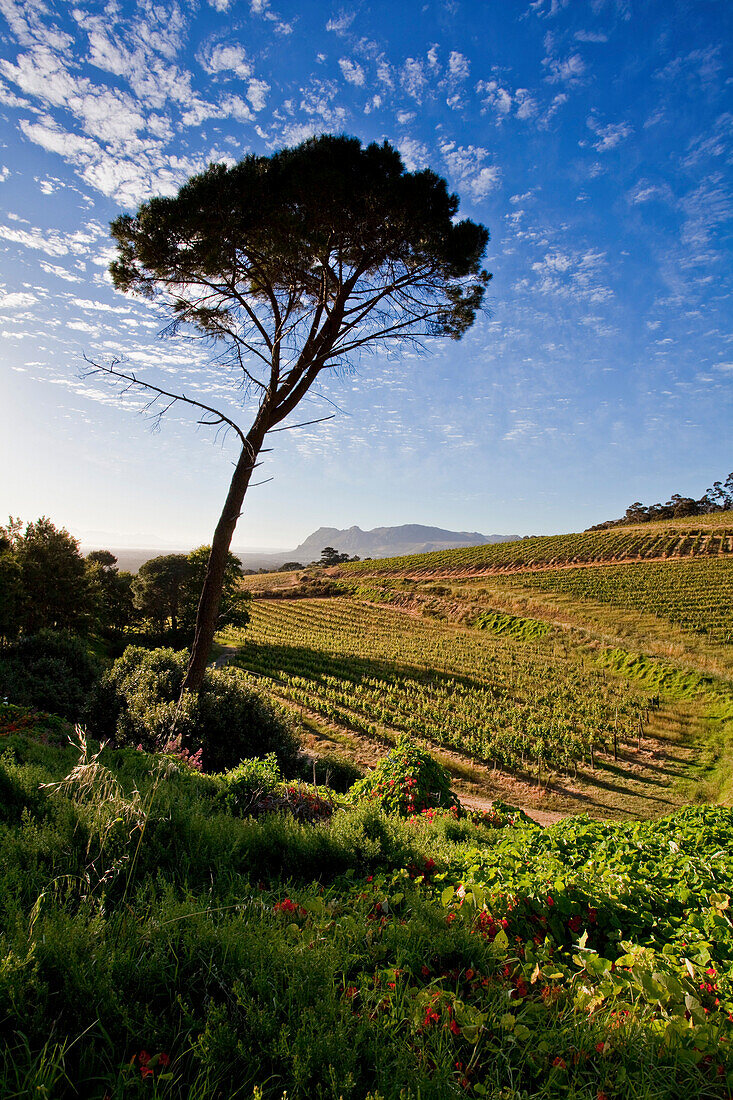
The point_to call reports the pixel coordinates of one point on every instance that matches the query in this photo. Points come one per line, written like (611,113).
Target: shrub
(406,782)
(249,783)
(255,788)
(331,770)
(52,670)
(137,703)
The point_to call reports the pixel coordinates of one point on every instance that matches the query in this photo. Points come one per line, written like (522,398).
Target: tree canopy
(291,264)
(166,592)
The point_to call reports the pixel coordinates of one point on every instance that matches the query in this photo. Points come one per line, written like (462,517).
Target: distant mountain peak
(387,542)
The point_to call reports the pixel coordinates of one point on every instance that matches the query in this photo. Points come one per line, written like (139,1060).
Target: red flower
(455,1028)
(550,901)
(559,1063)
(575,924)
(600,1047)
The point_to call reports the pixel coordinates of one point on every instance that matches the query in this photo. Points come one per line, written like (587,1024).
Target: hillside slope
(707,536)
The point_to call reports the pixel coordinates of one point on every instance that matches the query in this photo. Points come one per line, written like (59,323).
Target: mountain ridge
(407,538)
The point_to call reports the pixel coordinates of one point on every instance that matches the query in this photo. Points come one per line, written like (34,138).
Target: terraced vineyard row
(513,704)
(698,595)
(617,544)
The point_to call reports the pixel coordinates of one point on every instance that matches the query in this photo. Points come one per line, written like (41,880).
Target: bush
(137,702)
(332,770)
(406,782)
(51,670)
(249,783)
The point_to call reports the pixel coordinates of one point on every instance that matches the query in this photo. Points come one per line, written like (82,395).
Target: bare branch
(132,380)
(305,424)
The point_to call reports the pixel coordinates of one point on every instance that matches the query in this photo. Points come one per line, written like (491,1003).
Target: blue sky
(594,138)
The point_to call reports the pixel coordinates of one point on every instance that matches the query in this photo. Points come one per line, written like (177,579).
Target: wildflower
(600,1047)
(469,974)
(559,1063)
(575,924)
(454,1027)
(425,971)
(550,901)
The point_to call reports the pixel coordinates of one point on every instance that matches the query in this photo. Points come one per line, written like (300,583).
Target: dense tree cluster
(167,589)
(718,498)
(46,584)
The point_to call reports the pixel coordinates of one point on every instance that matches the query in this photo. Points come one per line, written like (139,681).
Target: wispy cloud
(608,136)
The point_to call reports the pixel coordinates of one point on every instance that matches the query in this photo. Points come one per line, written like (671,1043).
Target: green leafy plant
(51,670)
(137,704)
(406,782)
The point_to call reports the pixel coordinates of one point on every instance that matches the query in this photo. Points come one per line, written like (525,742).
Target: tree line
(47,584)
(718,498)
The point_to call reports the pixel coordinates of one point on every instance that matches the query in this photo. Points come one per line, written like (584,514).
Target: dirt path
(228,653)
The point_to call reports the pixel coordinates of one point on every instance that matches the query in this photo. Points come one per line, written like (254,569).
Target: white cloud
(414,154)
(496,98)
(413,79)
(257,94)
(52,243)
(105,114)
(570,274)
(318,101)
(341,23)
(384,73)
(465,163)
(590,36)
(4,173)
(10,99)
(608,136)
(60,272)
(644,191)
(352,72)
(458,66)
(227,59)
(15,300)
(568,71)
(526,104)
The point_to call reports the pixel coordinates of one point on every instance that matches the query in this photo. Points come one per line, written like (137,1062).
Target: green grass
(152,944)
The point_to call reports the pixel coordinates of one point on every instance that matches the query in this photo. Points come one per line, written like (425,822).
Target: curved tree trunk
(207,616)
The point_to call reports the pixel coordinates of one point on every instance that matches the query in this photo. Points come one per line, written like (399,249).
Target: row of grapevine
(697,595)
(514,704)
(615,544)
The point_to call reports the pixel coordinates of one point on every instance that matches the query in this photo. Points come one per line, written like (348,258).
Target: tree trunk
(207,615)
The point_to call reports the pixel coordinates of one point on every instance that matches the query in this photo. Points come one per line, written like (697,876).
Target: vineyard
(516,704)
(697,595)
(709,536)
